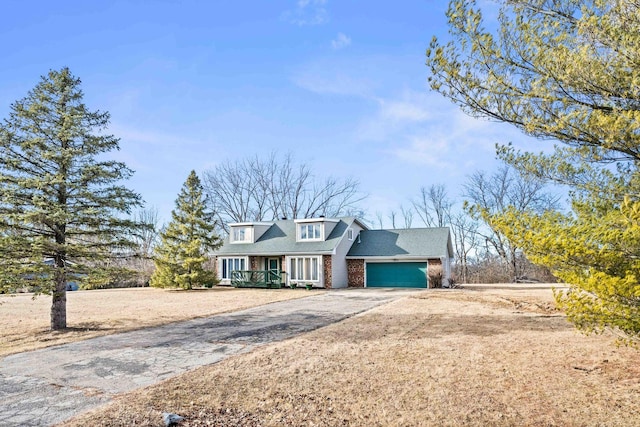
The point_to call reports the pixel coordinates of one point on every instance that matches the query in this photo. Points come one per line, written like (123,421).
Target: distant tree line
(482,253)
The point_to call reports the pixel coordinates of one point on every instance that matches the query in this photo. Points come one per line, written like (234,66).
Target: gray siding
(339,264)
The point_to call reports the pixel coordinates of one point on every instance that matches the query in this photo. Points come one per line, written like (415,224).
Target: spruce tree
(186,241)
(62,208)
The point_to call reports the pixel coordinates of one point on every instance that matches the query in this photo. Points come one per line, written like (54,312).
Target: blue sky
(340,84)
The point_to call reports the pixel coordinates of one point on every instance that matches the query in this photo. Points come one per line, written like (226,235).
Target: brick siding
(326,265)
(355,273)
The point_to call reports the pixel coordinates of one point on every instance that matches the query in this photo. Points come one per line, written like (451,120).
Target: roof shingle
(404,243)
(280,239)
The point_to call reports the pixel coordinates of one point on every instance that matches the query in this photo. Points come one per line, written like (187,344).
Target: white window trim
(306,224)
(220,269)
(350,233)
(248,234)
(295,278)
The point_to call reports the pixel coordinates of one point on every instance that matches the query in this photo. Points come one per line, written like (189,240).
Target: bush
(435,276)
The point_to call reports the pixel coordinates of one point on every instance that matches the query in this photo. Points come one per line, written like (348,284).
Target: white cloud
(430,150)
(335,77)
(403,111)
(357,75)
(341,41)
(307,12)
(336,84)
(397,115)
(424,129)
(416,129)
(451,141)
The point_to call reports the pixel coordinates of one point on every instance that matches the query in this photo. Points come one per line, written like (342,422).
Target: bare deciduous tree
(465,242)
(134,266)
(488,195)
(380,219)
(392,216)
(145,241)
(435,209)
(264,189)
(147,236)
(407,216)
(433,206)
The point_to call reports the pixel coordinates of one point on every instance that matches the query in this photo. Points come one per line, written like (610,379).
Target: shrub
(435,276)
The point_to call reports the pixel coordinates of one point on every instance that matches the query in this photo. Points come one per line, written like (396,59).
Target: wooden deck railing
(258,279)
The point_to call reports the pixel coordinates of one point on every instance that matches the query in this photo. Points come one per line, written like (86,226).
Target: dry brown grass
(443,358)
(25,321)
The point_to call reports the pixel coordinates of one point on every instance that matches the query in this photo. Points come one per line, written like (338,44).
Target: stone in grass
(171,419)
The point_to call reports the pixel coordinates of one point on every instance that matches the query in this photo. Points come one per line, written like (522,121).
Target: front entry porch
(269,279)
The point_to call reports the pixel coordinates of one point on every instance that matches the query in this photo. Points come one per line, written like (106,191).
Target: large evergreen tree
(186,241)
(61,204)
(569,71)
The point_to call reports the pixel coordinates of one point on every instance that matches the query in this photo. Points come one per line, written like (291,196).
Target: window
(231,264)
(304,269)
(350,234)
(240,234)
(310,232)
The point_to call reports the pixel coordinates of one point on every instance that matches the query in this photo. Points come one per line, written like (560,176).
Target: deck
(268,279)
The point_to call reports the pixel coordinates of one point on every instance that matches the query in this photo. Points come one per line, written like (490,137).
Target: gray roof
(405,243)
(280,239)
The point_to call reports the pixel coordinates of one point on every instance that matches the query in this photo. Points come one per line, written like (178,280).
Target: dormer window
(241,235)
(314,229)
(247,232)
(310,231)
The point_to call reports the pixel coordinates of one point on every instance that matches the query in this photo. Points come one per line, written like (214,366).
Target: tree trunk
(514,267)
(59,301)
(465,268)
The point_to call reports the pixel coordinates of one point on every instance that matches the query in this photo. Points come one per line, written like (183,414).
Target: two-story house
(333,253)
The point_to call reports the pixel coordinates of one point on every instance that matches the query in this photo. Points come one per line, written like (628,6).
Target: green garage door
(397,275)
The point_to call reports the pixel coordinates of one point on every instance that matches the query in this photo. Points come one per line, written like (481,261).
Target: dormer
(247,232)
(314,229)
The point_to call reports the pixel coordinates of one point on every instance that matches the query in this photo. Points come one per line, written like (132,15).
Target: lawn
(25,320)
(498,356)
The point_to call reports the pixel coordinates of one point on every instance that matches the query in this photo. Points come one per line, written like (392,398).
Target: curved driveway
(47,386)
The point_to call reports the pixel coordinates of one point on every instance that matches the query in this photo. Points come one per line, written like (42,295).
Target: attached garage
(401,258)
(396,275)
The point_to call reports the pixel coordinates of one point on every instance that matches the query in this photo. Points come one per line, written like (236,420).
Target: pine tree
(61,210)
(185,242)
(565,70)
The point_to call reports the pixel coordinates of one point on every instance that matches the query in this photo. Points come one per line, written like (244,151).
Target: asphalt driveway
(47,386)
